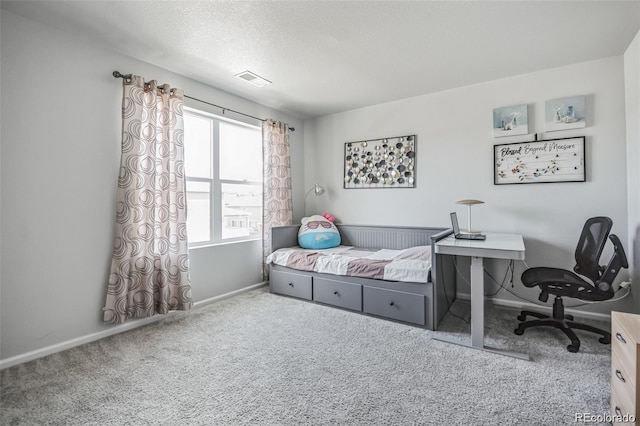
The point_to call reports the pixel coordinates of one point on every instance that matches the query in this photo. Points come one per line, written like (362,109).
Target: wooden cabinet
(625,367)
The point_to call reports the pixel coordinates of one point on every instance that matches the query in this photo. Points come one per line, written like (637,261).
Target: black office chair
(560,282)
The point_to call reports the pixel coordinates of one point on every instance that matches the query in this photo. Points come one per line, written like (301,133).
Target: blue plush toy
(317,232)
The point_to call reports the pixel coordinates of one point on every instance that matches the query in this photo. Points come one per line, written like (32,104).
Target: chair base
(562,322)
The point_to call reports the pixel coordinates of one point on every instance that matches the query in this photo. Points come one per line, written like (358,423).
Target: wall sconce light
(469,203)
(317,189)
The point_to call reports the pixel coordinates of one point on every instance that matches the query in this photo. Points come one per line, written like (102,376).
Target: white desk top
(497,245)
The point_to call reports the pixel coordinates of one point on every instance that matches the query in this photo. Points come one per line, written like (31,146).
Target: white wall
(632,98)
(455,161)
(61,132)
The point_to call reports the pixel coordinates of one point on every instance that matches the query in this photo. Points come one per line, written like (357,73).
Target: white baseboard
(59,347)
(228,295)
(535,307)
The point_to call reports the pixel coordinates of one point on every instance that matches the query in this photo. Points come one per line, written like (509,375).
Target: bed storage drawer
(337,293)
(393,304)
(296,285)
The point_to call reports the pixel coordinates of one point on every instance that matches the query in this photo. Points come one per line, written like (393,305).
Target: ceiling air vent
(254,79)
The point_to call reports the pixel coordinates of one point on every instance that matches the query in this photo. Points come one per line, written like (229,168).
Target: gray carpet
(263,359)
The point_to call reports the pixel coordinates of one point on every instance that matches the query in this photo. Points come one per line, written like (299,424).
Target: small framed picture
(564,113)
(510,121)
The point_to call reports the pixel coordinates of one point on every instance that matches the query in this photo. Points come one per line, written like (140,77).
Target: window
(223,164)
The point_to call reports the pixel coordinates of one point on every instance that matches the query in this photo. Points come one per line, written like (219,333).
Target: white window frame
(215,183)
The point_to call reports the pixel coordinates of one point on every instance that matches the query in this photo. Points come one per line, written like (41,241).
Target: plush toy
(318,232)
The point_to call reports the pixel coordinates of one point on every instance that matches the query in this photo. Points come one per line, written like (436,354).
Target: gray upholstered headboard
(365,236)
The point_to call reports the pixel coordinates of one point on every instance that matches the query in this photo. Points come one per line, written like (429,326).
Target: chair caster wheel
(518,332)
(604,340)
(573,348)
(522,317)
(569,317)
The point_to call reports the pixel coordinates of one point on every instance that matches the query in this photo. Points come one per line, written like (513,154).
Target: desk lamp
(469,203)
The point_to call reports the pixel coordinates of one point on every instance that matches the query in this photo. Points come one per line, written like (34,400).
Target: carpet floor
(263,359)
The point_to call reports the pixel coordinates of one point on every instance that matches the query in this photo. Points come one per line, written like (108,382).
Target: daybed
(421,303)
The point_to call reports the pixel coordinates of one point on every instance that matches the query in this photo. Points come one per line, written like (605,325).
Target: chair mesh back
(592,241)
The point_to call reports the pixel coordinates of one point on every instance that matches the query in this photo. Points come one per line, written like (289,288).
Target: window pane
(241,211)
(240,152)
(198,211)
(197,146)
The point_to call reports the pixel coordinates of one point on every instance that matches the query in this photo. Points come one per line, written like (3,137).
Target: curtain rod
(117,74)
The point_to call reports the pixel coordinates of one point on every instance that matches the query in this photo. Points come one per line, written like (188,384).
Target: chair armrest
(617,262)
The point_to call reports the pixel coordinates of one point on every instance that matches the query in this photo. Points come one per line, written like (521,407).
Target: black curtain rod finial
(118,74)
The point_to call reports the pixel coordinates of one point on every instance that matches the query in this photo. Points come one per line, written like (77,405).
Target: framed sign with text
(546,161)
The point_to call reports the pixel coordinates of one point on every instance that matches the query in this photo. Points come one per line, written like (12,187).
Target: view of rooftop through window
(223,164)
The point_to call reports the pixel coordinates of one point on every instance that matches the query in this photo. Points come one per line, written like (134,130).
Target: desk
(495,246)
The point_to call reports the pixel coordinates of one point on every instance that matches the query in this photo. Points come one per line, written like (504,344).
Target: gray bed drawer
(397,305)
(295,285)
(337,293)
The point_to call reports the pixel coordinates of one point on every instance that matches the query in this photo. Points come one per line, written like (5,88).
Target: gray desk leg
(477,302)
(477,314)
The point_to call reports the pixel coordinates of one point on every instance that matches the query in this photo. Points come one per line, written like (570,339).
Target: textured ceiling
(330,56)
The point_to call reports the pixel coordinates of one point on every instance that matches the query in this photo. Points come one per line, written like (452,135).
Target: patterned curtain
(150,263)
(277,206)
